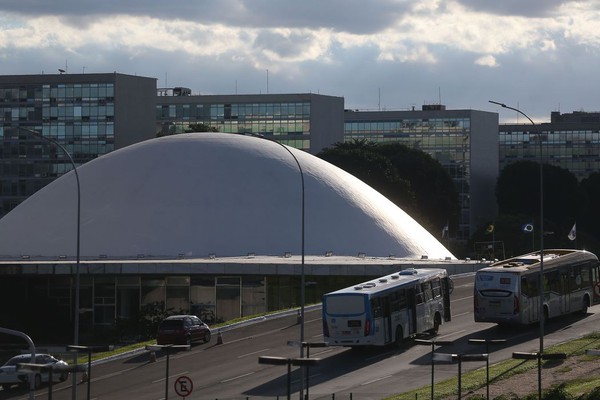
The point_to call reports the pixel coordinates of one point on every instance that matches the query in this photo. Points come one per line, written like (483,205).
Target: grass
(476,379)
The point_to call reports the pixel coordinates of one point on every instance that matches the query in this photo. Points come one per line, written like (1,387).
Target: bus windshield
(342,304)
(494,281)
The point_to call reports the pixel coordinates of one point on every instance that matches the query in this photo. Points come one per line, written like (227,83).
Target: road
(231,371)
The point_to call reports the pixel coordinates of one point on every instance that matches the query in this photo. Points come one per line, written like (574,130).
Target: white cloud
(340,47)
(487,61)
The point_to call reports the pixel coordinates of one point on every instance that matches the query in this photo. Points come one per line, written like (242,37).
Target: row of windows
(409,125)
(223,112)
(58,91)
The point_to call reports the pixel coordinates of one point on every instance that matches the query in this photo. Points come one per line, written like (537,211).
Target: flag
(527,228)
(573,234)
(489,229)
(445,231)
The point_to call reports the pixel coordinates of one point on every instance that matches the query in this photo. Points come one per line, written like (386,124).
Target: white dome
(196,194)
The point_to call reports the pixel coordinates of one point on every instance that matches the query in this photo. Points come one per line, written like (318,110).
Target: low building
(219,225)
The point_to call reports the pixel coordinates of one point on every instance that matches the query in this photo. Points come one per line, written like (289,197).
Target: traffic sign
(184,386)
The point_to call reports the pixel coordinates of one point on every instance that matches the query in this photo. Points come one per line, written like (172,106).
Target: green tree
(518,192)
(410,178)
(201,127)
(361,160)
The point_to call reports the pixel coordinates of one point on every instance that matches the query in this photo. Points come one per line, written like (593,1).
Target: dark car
(182,329)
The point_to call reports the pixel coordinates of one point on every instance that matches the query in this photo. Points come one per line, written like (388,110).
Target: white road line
(322,352)
(452,334)
(463,313)
(236,377)
(376,380)
(254,352)
(461,299)
(314,320)
(171,376)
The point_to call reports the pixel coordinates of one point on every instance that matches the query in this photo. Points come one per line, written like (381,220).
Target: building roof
(211,193)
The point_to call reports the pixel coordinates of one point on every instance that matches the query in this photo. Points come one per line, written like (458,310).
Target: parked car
(182,329)
(9,375)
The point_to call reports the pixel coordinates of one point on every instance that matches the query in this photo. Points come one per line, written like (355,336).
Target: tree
(410,178)
(518,192)
(360,160)
(433,186)
(201,127)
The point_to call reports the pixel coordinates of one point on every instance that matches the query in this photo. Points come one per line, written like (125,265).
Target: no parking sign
(184,386)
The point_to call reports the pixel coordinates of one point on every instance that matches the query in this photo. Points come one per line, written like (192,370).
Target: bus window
(426,288)
(402,299)
(437,290)
(530,285)
(418,294)
(376,307)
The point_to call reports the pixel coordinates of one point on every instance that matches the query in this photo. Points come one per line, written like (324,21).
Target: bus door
(412,309)
(564,292)
(446,290)
(530,298)
(387,318)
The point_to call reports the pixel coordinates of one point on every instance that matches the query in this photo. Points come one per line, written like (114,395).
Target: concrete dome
(202,193)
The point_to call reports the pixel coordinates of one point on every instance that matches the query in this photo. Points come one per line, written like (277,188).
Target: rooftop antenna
(440,94)
(62,71)
(379,104)
(267,81)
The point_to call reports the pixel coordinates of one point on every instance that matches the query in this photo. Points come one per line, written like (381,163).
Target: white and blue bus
(507,292)
(387,310)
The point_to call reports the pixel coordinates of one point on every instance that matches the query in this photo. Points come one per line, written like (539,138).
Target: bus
(507,292)
(387,310)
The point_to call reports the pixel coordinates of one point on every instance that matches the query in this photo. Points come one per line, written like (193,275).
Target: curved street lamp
(302,277)
(541,280)
(77,280)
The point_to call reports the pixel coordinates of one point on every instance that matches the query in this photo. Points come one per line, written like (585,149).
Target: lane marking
(376,380)
(464,313)
(254,352)
(453,333)
(236,377)
(171,376)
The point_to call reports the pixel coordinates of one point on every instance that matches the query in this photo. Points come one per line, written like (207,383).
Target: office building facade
(88,114)
(465,142)
(308,122)
(570,141)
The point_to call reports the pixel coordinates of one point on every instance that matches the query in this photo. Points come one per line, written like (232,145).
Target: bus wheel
(585,304)
(399,337)
(437,321)
(546,315)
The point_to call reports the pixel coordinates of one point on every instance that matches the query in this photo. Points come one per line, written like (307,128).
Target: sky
(535,55)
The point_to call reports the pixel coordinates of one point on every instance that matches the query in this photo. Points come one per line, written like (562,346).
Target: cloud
(487,61)
(348,48)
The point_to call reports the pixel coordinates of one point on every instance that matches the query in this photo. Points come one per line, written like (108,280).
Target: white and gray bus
(507,292)
(388,309)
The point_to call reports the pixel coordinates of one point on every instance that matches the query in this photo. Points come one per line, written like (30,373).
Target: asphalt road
(231,370)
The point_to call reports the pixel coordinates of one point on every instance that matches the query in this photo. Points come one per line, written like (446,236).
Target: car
(9,375)
(182,329)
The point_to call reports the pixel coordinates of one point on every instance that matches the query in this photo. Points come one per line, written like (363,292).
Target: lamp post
(433,343)
(487,343)
(289,362)
(302,277)
(167,348)
(89,349)
(77,272)
(77,281)
(541,279)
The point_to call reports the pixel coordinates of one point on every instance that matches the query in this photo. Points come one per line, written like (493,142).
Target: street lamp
(77,272)
(541,280)
(465,358)
(289,362)
(89,350)
(433,343)
(167,348)
(302,278)
(487,343)
(77,283)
